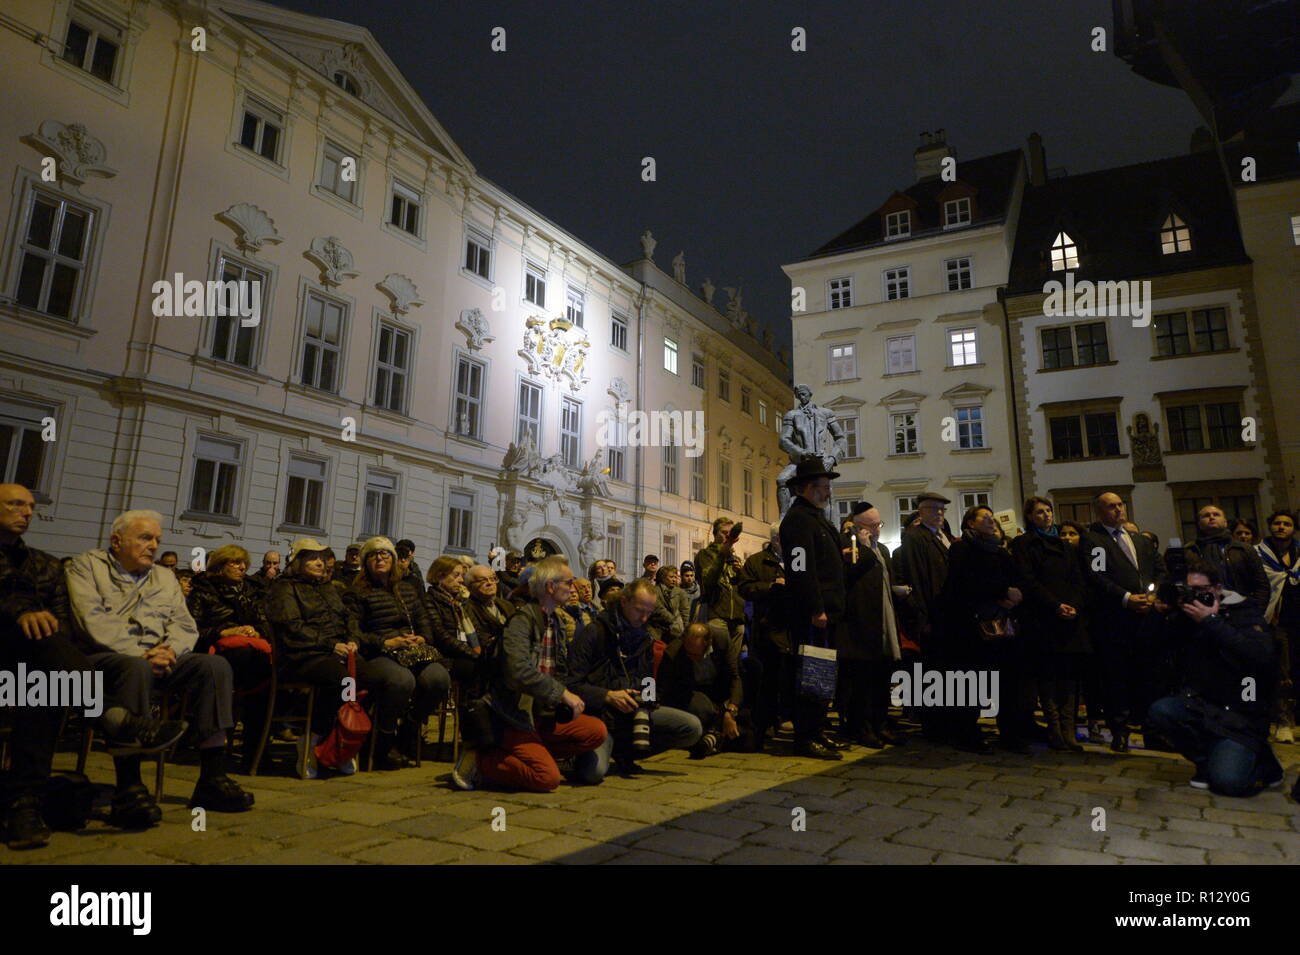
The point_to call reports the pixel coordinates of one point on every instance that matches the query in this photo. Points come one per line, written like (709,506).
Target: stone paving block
(1227,857)
(300,855)
(1123,846)
(209,847)
(644,811)
(552,820)
(409,851)
(1255,820)
(489,857)
(1201,826)
(1021,789)
(956,858)
(875,852)
(646,857)
(995,828)
(431,825)
(365,813)
(690,845)
(967,843)
(941,807)
(1043,806)
(768,855)
(1061,855)
(568,850)
(715,824)
(889,819)
(1200,840)
(819,837)
(342,838)
(276,826)
(1071,833)
(493,840)
(604,828)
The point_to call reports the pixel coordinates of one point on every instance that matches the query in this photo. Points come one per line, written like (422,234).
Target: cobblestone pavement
(915,804)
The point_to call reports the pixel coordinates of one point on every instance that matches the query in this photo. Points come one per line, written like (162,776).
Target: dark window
(1057,350)
(1211,329)
(1103,434)
(1091,340)
(1223,422)
(1067,438)
(1185,429)
(1171,335)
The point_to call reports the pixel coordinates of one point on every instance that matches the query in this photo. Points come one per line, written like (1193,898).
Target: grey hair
(544,572)
(124,520)
(490,571)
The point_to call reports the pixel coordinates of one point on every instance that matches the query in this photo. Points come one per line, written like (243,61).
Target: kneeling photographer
(1223,653)
(611,666)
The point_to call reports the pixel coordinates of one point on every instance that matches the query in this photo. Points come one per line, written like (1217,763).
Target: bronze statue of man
(808,429)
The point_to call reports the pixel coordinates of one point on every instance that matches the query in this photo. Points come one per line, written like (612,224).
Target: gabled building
(1170,409)
(902,335)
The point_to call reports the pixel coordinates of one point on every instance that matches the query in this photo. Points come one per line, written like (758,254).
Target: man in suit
(921,563)
(1122,569)
(814,573)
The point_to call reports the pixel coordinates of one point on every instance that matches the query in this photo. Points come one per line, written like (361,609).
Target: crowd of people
(558,676)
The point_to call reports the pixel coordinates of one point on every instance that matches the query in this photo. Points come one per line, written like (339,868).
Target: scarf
(1279,576)
(1052,530)
(989,545)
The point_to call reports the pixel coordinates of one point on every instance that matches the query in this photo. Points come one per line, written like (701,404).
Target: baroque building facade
(430,357)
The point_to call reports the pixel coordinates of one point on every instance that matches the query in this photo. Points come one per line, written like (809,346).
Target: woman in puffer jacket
(391,613)
(453,629)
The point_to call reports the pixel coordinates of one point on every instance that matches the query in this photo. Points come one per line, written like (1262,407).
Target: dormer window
(1065,254)
(346,82)
(898,224)
(1175,236)
(956,212)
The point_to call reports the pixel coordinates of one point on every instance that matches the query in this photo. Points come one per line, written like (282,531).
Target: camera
(1177,592)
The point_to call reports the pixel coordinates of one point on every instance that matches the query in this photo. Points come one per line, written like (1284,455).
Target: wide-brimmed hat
(305,545)
(810,467)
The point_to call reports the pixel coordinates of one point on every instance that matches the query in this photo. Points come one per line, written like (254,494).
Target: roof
(1273,141)
(1114,217)
(991,177)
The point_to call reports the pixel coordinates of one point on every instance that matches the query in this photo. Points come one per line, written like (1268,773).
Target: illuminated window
(1065,254)
(1175,236)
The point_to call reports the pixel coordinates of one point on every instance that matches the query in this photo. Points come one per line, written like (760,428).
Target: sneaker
(308,742)
(348,768)
(1200,781)
(707,746)
(221,794)
(464,774)
(134,808)
(24,827)
(286,734)
(787,726)
(146,734)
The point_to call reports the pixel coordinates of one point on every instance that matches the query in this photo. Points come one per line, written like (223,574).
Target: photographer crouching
(1224,656)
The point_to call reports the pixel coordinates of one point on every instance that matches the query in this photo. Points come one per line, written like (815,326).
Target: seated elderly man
(611,667)
(132,623)
(486,608)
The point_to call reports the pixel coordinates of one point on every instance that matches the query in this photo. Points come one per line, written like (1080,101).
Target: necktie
(1126,545)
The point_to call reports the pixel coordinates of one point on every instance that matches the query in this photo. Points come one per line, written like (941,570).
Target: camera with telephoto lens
(1176,591)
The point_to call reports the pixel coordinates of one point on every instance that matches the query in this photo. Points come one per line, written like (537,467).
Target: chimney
(930,154)
(1037,160)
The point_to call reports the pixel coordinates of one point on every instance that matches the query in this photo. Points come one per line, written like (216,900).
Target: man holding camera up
(611,667)
(1226,657)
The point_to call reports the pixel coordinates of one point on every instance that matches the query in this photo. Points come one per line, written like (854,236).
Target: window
(724,384)
(346,82)
(669,550)
(460,521)
(262,129)
(970,428)
(764,495)
(573,306)
(331,173)
(697,478)
(956,212)
(1065,254)
(305,495)
(1059,345)
(904,507)
(1174,236)
(618,331)
(529,415)
(841,292)
(762,411)
(22,450)
(670,355)
(961,347)
(404,209)
(670,466)
(958,273)
(535,285)
(843,510)
(697,371)
(1211,425)
(478,254)
(724,484)
(93,45)
(849,424)
(747,491)
(55,253)
(898,224)
(900,354)
(467,406)
(1089,434)
(392,368)
(1235,505)
(614,544)
(216,475)
(614,457)
(381,504)
(322,343)
(971,499)
(897,283)
(746,400)
(1208,332)
(903,426)
(571,432)
(844,362)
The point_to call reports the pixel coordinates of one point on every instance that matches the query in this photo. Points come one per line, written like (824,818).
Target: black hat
(861,507)
(687,565)
(810,467)
(932,496)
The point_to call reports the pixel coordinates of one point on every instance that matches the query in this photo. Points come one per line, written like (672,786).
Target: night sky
(763,153)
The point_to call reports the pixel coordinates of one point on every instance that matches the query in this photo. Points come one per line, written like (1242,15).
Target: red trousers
(528,760)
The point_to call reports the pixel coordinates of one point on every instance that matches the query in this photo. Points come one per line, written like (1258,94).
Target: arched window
(1175,236)
(1065,254)
(345,82)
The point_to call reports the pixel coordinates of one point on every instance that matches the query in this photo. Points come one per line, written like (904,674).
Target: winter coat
(518,691)
(977,580)
(446,621)
(111,610)
(717,579)
(596,665)
(1051,575)
(308,617)
(488,628)
(921,563)
(31,581)
(217,603)
(814,564)
(860,636)
(769,600)
(382,614)
(1238,563)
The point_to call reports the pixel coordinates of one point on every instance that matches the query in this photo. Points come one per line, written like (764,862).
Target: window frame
(340,350)
(329,146)
(378,366)
(914,427)
(460,521)
(368,530)
(473,402)
(575,304)
(325,479)
(898,224)
(974,427)
(571,431)
(536,426)
(31,188)
(25,415)
(1068,254)
(95,24)
(618,328)
(697,364)
(960,203)
(889,354)
(234,487)
(670,355)
(846,361)
(839,292)
(534,283)
(897,280)
(224,258)
(974,346)
(265,114)
(953,267)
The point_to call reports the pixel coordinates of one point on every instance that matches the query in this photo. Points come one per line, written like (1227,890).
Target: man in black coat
(814,573)
(1238,564)
(1220,719)
(1122,569)
(867,640)
(762,583)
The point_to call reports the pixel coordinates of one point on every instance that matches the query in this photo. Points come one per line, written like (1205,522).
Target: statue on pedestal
(648,244)
(679,267)
(808,429)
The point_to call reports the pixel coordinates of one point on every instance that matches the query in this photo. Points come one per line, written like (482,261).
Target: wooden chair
(165,709)
(271,717)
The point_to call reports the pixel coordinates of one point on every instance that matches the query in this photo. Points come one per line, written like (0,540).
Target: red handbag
(351,727)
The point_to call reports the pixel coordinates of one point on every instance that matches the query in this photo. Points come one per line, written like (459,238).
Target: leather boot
(1067,710)
(1054,738)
